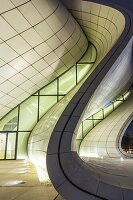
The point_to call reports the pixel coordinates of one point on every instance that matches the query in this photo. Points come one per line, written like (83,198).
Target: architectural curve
(107,134)
(38,42)
(80,49)
(71,171)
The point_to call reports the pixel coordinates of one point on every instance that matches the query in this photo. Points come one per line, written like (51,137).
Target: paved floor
(19,181)
(118,172)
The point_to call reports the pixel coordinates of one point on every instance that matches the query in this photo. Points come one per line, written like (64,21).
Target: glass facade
(88,124)
(18,124)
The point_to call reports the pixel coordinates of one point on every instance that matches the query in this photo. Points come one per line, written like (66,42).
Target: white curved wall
(39,138)
(39,40)
(41,133)
(102,24)
(102,141)
(117,80)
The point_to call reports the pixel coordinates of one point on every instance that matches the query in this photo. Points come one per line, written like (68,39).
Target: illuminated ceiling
(39,40)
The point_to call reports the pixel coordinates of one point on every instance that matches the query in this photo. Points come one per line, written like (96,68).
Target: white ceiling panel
(5,99)
(7,71)
(43,49)
(16,92)
(31,56)
(33,89)
(19,2)
(19,64)
(44,30)
(61,50)
(7,86)
(2,94)
(6,30)
(29,72)
(2,79)
(47,6)
(34,40)
(54,42)
(7,53)
(26,85)
(37,78)
(19,44)
(43,82)
(51,58)
(31,13)
(16,20)
(2,63)
(5,5)
(40,65)
(54,23)
(46,72)
(18,79)
(23,96)
(31,49)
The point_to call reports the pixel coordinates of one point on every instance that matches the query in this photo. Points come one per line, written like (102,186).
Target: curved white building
(66,100)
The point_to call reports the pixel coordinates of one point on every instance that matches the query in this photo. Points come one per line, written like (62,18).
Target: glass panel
(28,114)
(45,103)
(60,97)
(9,122)
(98,115)
(126,95)
(87,126)
(11,142)
(36,94)
(67,81)
(11,125)
(2,145)
(82,70)
(79,134)
(89,56)
(120,98)
(50,89)
(22,145)
(108,110)
(96,122)
(117,103)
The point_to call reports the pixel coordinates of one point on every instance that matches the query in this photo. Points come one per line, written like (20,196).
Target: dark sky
(125,3)
(128,4)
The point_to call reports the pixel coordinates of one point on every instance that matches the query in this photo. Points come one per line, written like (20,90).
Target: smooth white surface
(103,140)
(30,41)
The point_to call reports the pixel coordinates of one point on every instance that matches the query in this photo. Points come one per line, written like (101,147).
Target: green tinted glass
(45,103)
(50,89)
(9,122)
(22,145)
(11,143)
(67,81)
(28,114)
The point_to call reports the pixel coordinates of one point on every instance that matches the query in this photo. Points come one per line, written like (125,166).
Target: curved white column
(39,40)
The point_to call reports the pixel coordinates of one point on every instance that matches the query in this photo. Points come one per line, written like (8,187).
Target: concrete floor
(19,181)
(115,171)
